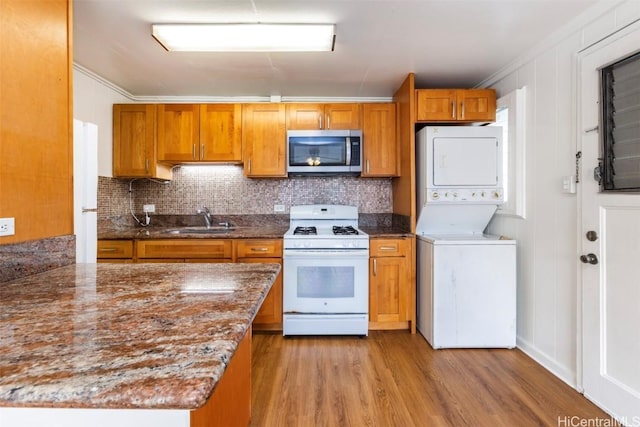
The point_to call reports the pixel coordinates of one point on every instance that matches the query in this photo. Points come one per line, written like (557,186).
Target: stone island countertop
(125,336)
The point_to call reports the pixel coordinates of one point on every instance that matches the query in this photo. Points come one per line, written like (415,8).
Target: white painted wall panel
(93,102)
(547,238)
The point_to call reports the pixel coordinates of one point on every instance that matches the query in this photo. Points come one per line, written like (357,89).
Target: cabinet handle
(319,121)
(453,109)
(387,248)
(249,165)
(375,267)
(194,152)
(108,249)
(367,165)
(201,151)
(259,249)
(146,165)
(462,109)
(328,121)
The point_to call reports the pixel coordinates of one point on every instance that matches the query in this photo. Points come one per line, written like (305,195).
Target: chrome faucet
(207,215)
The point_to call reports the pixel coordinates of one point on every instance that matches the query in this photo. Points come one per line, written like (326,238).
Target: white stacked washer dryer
(466,279)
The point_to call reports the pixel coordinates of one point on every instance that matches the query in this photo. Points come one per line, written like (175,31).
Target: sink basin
(201,230)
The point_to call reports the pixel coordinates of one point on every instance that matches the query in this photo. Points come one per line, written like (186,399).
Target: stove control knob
(455,195)
(435,195)
(496,195)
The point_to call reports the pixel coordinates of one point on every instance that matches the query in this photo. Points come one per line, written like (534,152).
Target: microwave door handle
(348,151)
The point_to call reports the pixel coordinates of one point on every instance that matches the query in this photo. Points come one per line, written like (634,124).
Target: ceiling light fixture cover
(245,37)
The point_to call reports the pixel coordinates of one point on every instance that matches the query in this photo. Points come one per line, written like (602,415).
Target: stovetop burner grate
(342,230)
(305,231)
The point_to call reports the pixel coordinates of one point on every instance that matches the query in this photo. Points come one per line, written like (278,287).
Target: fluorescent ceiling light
(245,37)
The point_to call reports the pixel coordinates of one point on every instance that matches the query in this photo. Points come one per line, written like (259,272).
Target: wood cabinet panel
(336,116)
(178,132)
(380,140)
(455,105)
(115,249)
(230,403)
(36,147)
(258,248)
(390,299)
(134,142)
(184,249)
(264,140)
(221,133)
(269,317)
(477,105)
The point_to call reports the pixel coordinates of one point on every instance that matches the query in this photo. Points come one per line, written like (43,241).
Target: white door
(611,273)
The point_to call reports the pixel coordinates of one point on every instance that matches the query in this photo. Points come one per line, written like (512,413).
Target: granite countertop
(125,336)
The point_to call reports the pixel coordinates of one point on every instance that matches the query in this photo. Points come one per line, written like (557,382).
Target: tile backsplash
(225,190)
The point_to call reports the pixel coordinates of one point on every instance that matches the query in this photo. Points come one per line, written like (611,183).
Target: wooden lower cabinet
(391,298)
(202,250)
(230,403)
(269,318)
(115,251)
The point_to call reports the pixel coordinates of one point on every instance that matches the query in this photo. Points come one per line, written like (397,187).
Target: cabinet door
(380,140)
(389,290)
(477,105)
(342,116)
(220,133)
(264,139)
(305,116)
(269,316)
(184,249)
(178,132)
(436,105)
(134,142)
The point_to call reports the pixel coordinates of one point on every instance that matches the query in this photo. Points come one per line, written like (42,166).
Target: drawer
(388,247)
(184,248)
(115,249)
(259,249)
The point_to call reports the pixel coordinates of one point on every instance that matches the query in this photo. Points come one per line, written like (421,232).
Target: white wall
(547,238)
(93,101)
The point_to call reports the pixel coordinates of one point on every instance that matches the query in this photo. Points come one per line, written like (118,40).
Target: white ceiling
(446,43)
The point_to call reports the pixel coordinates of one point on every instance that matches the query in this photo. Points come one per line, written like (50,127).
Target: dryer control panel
(465,195)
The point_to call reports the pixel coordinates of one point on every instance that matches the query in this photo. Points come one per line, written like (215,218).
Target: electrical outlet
(278,208)
(7,226)
(149,208)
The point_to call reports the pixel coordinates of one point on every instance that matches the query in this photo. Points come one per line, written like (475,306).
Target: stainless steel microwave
(321,152)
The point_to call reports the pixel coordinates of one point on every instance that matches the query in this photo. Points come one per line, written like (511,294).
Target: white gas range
(326,272)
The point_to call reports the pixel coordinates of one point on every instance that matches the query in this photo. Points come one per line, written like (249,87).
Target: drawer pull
(259,249)
(388,248)
(108,249)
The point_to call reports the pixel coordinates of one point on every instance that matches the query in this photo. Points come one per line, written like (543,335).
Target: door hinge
(578,157)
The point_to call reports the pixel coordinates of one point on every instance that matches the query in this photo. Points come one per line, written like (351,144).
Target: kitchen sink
(201,230)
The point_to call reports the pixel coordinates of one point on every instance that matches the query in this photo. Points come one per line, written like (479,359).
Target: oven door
(326,282)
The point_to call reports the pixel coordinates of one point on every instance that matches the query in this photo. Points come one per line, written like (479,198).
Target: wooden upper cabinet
(323,116)
(178,132)
(379,133)
(264,136)
(455,105)
(134,142)
(477,105)
(221,132)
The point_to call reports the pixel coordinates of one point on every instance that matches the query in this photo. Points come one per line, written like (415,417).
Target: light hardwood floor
(393,378)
